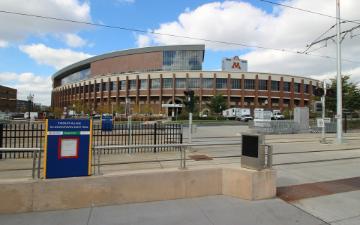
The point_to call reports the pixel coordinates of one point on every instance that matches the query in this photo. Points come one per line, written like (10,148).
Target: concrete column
(302,93)
(269,105)
(148,90)
(256,99)
(214,84)
(201,92)
(109,95)
(161,92)
(281,99)
(242,90)
(174,88)
(228,90)
(117,90)
(292,94)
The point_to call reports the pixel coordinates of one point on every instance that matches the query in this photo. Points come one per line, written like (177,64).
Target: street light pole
(338,77)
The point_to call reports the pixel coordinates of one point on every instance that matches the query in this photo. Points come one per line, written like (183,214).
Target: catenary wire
(167,34)
(308,11)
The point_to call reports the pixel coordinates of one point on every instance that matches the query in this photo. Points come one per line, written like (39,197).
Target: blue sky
(31,50)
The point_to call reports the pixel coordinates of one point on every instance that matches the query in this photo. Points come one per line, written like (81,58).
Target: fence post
(155,137)
(1,138)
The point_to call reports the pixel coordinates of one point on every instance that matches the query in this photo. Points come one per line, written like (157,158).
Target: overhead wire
(166,34)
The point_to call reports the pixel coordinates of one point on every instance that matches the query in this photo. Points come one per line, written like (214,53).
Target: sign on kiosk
(67,148)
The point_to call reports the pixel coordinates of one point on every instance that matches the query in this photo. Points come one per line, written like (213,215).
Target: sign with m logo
(236,65)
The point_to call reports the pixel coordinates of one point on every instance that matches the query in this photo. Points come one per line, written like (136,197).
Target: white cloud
(241,22)
(27,83)
(57,58)
(3,44)
(143,41)
(14,28)
(75,41)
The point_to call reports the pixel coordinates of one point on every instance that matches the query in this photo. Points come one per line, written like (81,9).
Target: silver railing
(36,156)
(181,147)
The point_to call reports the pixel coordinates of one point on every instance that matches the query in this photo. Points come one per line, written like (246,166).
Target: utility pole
(338,77)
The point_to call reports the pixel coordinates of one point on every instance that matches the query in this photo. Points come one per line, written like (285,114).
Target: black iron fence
(26,135)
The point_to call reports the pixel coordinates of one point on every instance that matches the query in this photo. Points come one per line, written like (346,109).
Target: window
(275,85)
(167,83)
(249,84)
(263,85)
(207,83)
(97,87)
(297,87)
(122,85)
(236,83)
(180,83)
(306,88)
(132,84)
(221,83)
(143,84)
(287,86)
(155,83)
(194,82)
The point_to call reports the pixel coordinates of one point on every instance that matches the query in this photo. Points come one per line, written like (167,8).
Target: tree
(190,102)
(57,111)
(217,104)
(350,94)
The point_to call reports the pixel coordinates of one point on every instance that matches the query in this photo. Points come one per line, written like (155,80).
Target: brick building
(7,99)
(157,75)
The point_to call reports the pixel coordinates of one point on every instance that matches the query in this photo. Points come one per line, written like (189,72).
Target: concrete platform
(213,210)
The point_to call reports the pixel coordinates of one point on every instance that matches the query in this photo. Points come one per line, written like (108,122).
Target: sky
(33,49)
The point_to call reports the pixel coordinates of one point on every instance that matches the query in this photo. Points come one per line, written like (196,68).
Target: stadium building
(154,76)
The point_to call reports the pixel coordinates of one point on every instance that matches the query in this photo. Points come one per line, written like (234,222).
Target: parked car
(244,118)
(277,116)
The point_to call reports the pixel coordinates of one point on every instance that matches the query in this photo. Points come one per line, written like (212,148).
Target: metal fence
(276,127)
(31,135)
(138,134)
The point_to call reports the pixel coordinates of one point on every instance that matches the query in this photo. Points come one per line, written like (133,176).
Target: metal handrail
(182,150)
(167,145)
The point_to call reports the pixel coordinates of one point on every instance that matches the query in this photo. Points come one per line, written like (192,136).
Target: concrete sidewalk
(213,210)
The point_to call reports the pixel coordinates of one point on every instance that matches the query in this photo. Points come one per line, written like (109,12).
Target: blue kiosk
(67,151)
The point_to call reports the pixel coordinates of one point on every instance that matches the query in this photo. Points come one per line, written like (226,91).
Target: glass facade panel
(249,84)
(143,84)
(207,83)
(167,83)
(132,84)
(155,83)
(263,85)
(182,60)
(287,86)
(80,75)
(194,82)
(97,87)
(297,87)
(221,83)
(236,83)
(275,85)
(180,82)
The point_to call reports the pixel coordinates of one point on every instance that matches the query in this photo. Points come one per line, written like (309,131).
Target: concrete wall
(131,187)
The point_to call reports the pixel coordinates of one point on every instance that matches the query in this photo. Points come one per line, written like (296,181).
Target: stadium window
(132,84)
(263,85)
(194,82)
(236,83)
(275,85)
(167,83)
(155,83)
(207,83)
(287,86)
(143,84)
(180,82)
(221,83)
(122,85)
(297,87)
(249,84)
